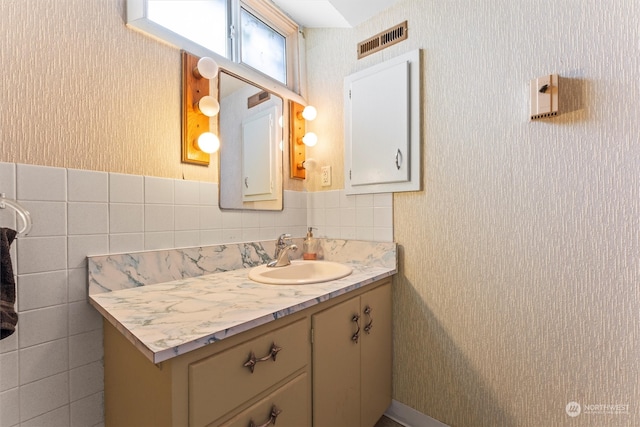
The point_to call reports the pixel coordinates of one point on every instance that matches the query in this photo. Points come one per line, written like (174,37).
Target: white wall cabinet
(382,127)
(213,386)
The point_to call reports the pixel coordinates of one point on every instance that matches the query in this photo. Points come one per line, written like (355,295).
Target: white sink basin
(300,273)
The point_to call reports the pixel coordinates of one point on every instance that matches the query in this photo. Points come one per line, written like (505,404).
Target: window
(204,22)
(262,47)
(253,33)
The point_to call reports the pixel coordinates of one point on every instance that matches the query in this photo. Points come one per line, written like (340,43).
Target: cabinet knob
(253,360)
(272,418)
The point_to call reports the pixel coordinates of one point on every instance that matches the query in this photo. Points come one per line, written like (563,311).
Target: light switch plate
(325,176)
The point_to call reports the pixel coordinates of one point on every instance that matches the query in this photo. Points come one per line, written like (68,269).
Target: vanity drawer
(289,405)
(222,382)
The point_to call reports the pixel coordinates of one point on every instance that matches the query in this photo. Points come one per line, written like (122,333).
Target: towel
(8,315)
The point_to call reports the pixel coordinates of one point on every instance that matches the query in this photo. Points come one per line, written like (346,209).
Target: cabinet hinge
(349,93)
(349,174)
(311,335)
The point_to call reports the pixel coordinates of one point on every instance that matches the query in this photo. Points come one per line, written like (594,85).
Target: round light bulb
(310,139)
(309,112)
(208,106)
(208,142)
(206,68)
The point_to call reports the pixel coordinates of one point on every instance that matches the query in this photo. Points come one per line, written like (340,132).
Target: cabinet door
(336,366)
(380,133)
(376,354)
(288,406)
(382,127)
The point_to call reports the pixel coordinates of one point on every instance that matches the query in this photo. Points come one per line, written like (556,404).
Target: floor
(387,422)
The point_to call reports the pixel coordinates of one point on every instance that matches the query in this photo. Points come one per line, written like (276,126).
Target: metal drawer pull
(356,335)
(369,325)
(253,360)
(272,418)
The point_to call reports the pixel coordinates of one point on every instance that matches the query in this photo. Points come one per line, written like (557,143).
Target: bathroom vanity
(222,350)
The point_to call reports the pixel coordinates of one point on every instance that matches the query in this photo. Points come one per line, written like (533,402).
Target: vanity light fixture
(300,138)
(310,139)
(208,142)
(208,106)
(309,113)
(198,109)
(205,68)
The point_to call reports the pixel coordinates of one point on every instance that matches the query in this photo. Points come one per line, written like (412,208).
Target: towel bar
(22,213)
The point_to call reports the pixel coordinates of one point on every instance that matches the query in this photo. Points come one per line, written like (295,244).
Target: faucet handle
(281,244)
(282,238)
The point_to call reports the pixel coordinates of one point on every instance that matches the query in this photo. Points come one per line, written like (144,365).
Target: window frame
(279,22)
(247,53)
(137,19)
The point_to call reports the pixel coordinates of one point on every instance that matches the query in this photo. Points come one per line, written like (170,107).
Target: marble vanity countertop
(167,319)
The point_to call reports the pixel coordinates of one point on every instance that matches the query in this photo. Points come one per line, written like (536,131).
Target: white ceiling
(332,13)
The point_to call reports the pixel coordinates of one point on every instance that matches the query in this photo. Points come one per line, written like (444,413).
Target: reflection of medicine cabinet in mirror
(382,127)
(258,156)
(251,134)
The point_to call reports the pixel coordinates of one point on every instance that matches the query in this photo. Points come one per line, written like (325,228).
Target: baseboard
(409,417)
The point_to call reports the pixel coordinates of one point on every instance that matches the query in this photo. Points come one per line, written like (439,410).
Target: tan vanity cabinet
(266,374)
(214,384)
(352,360)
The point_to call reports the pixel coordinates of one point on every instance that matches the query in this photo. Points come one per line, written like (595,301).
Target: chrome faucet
(283,241)
(283,246)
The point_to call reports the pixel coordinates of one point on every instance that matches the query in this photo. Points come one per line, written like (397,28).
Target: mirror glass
(251,144)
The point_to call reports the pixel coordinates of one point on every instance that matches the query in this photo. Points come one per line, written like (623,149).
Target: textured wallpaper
(518,291)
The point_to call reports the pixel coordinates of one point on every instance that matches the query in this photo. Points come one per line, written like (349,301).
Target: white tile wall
(40,290)
(126,188)
(52,218)
(41,183)
(87,218)
(8,370)
(44,360)
(87,186)
(158,190)
(42,396)
(87,411)
(362,217)
(58,418)
(126,218)
(51,369)
(158,218)
(10,407)
(187,192)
